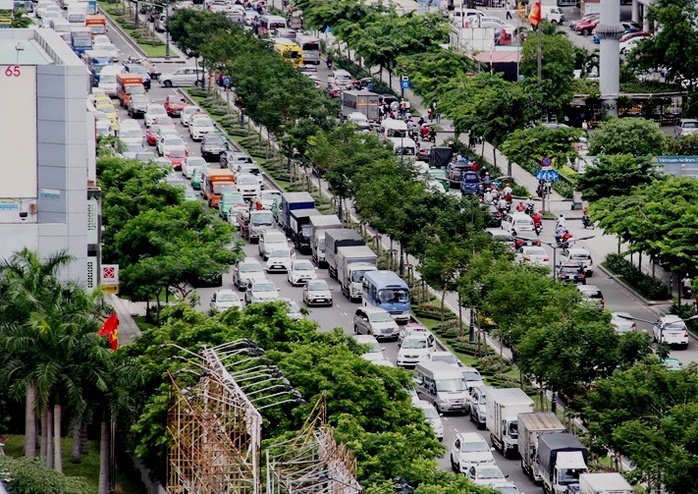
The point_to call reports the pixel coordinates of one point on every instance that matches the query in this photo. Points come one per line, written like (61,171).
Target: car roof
(577,250)
(671,317)
(588,289)
(422,404)
(372,310)
(417,335)
(470,437)
(365,338)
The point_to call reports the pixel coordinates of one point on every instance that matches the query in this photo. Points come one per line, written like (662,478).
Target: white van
(107,79)
(432,417)
(414,348)
(519,222)
(442,385)
(553,14)
(403,146)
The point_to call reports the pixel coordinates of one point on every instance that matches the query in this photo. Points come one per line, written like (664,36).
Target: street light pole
(167,32)
(555,247)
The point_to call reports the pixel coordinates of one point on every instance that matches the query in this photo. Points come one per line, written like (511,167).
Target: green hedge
(644,284)
(28,476)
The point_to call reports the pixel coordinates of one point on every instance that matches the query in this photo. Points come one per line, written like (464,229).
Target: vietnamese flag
(110,330)
(534,16)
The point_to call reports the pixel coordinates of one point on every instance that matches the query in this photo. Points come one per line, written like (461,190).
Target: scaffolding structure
(312,462)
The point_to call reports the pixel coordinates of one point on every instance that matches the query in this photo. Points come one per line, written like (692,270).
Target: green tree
(557,69)
(431,71)
(635,136)
(674,45)
(615,175)
(20,20)
(28,476)
(684,145)
(528,146)
(191,29)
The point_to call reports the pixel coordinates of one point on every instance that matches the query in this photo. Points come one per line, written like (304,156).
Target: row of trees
(161,242)
(52,359)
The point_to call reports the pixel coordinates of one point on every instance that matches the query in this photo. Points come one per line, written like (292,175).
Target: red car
(635,34)
(586,27)
(176,158)
(151,135)
(173,106)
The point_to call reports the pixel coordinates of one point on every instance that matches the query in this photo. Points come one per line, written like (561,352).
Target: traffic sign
(546,161)
(548,175)
(405,82)
(227,82)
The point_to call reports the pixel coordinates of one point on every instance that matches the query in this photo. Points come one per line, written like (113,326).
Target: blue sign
(548,175)
(227,82)
(405,82)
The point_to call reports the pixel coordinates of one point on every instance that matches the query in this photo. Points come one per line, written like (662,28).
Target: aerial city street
(430,245)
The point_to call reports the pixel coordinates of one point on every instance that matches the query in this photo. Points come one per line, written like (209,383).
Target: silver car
(375,321)
(317,292)
(246,270)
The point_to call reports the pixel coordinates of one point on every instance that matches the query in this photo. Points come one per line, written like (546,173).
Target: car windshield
(317,286)
(430,413)
(569,476)
(175,141)
(227,297)
(202,122)
(569,269)
(534,252)
(223,188)
(449,359)
(250,267)
(280,253)
(214,139)
(196,161)
(394,295)
(156,110)
(474,447)
(130,133)
(264,287)
(380,316)
(414,343)
(489,473)
(472,376)
(275,238)
(690,125)
(304,266)
(450,385)
(165,120)
(675,326)
(247,181)
(177,153)
(374,347)
(579,257)
(356,276)
(262,218)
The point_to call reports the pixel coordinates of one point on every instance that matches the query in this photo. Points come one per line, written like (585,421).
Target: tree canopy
(614,176)
(636,136)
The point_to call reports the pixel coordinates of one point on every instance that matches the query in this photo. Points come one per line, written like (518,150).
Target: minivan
(519,222)
(442,385)
(553,14)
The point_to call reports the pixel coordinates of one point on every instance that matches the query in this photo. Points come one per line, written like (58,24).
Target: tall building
(48,196)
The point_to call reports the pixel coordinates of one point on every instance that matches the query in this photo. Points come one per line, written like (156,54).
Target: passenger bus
(311,49)
(387,290)
(268,24)
(289,51)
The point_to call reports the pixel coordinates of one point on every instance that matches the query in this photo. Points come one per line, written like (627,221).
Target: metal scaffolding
(312,462)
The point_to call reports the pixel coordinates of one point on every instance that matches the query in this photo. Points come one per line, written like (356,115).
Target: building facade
(48,195)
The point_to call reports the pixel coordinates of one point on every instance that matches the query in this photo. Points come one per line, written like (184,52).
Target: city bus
(387,290)
(289,51)
(311,49)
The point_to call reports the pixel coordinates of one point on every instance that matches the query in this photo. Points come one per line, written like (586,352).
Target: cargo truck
(503,407)
(299,228)
(604,483)
(352,263)
(364,102)
(334,239)
(531,427)
(562,459)
(289,202)
(318,226)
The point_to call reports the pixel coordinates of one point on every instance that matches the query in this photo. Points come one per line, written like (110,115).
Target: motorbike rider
(561,221)
(537,218)
(586,220)
(520,207)
(529,206)
(502,205)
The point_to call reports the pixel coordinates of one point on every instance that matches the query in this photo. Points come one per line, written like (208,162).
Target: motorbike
(538,227)
(586,222)
(529,209)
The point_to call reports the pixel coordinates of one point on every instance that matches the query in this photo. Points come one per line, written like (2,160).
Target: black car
(213,145)
(571,273)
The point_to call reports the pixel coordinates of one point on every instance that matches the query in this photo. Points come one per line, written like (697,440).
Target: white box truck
(562,459)
(318,225)
(503,407)
(531,427)
(604,483)
(352,263)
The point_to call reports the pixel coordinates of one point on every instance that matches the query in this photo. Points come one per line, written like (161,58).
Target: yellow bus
(289,51)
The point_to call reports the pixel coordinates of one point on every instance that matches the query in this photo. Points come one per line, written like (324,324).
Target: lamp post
(167,32)
(660,342)
(555,246)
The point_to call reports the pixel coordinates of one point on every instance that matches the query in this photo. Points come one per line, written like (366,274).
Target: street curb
(649,303)
(116,27)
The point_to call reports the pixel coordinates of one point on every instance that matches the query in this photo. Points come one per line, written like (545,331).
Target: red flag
(534,16)
(110,329)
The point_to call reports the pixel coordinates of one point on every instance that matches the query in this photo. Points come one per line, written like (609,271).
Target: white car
(444,356)
(622,322)
(279,260)
(432,417)
(187,112)
(247,270)
(152,112)
(535,256)
(477,406)
(578,255)
(625,47)
(409,328)
(200,125)
(497,23)
(261,291)
(269,240)
(185,76)
(518,222)
(472,377)
(168,143)
(301,271)
(469,449)
(130,133)
(671,330)
(248,186)
(191,163)
(414,349)
(41,7)
(317,292)
(375,350)
(486,474)
(268,198)
(507,488)
(109,48)
(225,299)
(341,78)
(293,309)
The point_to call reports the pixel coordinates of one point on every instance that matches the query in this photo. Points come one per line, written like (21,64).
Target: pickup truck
(174,105)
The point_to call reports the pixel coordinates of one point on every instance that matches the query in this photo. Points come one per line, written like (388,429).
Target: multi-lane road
(340,314)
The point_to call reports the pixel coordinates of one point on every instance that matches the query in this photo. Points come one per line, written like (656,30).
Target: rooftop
(35,47)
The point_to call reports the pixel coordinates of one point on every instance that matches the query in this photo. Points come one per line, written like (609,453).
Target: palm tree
(26,282)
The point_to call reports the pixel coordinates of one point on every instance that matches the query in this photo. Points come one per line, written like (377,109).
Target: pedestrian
(329,60)
(508,10)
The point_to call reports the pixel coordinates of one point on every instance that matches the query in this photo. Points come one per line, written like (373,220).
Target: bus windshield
(394,295)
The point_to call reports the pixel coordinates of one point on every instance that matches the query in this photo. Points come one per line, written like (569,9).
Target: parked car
(317,292)
(375,321)
(585,27)
(671,330)
(687,126)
